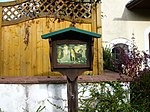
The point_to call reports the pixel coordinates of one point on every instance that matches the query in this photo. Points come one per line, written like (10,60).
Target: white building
(123,19)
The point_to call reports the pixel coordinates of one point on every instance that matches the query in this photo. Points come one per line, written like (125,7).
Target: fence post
(94,23)
(99,46)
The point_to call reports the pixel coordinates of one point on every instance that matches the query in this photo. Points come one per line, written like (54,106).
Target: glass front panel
(71,53)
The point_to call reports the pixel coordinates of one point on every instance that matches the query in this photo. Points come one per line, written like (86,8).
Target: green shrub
(140,92)
(107,59)
(104,97)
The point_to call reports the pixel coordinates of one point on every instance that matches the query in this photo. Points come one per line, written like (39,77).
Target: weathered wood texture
(1,67)
(25,53)
(99,43)
(96,27)
(32,57)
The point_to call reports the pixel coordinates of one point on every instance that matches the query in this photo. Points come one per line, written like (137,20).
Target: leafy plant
(140,89)
(135,65)
(40,108)
(105,97)
(57,106)
(110,96)
(107,59)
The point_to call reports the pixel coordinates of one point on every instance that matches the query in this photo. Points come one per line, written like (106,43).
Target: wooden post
(94,24)
(99,45)
(72,93)
(1,64)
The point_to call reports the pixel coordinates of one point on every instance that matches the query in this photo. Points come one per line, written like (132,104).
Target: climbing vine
(26,38)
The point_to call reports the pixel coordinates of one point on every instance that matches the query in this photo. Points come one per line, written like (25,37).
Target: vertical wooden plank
(50,27)
(1,62)
(2,52)
(100,49)
(86,27)
(89,27)
(17,50)
(67,24)
(23,50)
(46,50)
(57,25)
(94,24)
(11,50)
(62,24)
(28,47)
(80,26)
(39,46)
(6,50)
(34,48)
(27,50)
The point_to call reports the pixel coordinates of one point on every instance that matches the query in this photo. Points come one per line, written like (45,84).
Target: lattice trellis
(35,8)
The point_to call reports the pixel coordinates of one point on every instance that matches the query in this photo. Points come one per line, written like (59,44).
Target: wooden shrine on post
(71,54)
(71,51)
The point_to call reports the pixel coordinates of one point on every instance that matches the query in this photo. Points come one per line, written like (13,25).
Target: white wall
(119,23)
(29,97)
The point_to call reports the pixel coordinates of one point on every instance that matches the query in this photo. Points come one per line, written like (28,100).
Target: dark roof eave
(133,3)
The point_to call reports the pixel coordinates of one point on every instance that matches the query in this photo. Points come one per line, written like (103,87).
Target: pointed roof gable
(71,31)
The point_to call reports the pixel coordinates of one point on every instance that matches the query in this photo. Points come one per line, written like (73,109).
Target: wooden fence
(22,50)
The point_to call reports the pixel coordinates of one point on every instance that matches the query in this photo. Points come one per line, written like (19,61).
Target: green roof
(71,31)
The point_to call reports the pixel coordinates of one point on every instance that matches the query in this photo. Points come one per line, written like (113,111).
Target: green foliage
(136,67)
(140,92)
(104,97)
(40,108)
(44,107)
(114,96)
(107,59)
(57,106)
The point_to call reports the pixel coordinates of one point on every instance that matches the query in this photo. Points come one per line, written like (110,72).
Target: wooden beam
(99,45)
(94,24)
(13,22)
(12,3)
